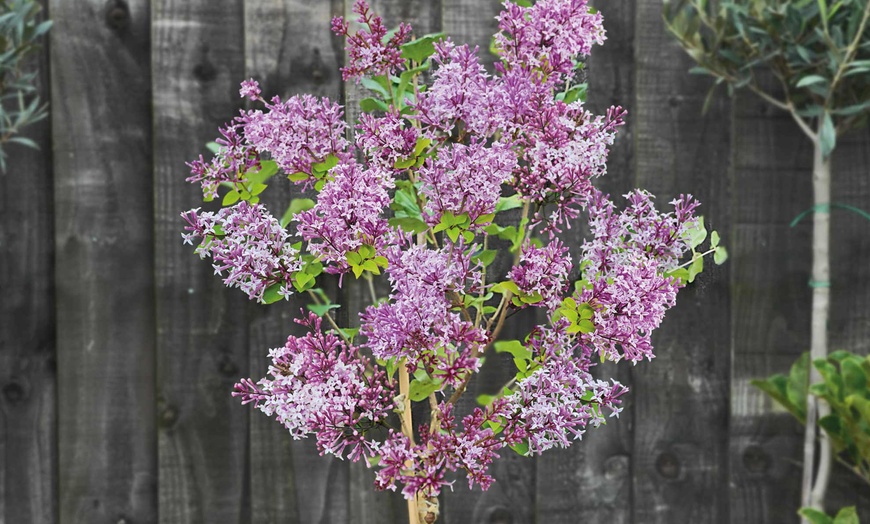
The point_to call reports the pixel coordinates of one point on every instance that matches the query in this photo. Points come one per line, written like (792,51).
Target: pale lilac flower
(386,140)
(250,89)
(368,54)
(296,133)
(543,271)
(248,244)
(466,179)
(349,214)
(231,163)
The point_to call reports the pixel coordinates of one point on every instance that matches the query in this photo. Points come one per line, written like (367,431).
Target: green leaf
(586,326)
(268,168)
(328,163)
(422,144)
(370,105)
(485,257)
(514,347)
(421,390)
(405,164)
(377,87)
(720,255)
(509,202)
(698,234)
(231,198)
(484,219)
(270,295)
(507,285)
(410,225)
(297,205)
(714,239)
(827,135)
(696,268)
(522,448)
(810,80)
(847,515)
(815,516)
(453,234)
(485,400)
(574,93)
(298,177)
(214,147)
(321,309)
(422,48)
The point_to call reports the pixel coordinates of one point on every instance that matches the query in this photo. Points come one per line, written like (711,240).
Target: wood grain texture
(511,498)
(290,50)
(104,276)
(198,62)
(28,429)
(770,262)
(849,326)
(680,467)
(591,480)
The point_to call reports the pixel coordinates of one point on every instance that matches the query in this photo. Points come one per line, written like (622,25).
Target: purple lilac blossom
(466,179)
(385,140)
(547,36)
(249,244)
(320,386)
(250,89)
(544,271)
(231,163)
(367,52)
(296,133)
(349,214)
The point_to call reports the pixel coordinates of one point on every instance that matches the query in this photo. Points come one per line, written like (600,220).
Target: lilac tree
(448,169)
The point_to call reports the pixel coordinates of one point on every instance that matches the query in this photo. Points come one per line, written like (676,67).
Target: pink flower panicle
(628,260)
(367,52)
(250,89)
(249,244)
(547,36)
(319,386)
(296,133)
(349,214)
(385,140)
(543,271)
(229,165)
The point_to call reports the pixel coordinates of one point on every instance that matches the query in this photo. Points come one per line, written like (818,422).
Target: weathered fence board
(28,432)
(95,275)
(198,62)
(104,244)
(680,399)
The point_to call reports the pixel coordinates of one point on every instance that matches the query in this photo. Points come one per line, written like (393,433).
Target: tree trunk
(812,495)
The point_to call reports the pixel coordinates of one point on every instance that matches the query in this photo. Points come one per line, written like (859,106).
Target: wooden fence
(118,347)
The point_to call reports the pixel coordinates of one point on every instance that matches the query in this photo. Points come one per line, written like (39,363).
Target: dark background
(119,348)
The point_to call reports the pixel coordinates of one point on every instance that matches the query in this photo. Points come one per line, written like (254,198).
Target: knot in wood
(756,459)
(13,392)
(117,14)
(668,466)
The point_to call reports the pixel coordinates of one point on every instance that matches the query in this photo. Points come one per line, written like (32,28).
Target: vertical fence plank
(681,398)
(198,62)
(290,50)
(366,505)
(27,338)
(104,273)
(511,497)
(770,301)
(591,480)
(849,326)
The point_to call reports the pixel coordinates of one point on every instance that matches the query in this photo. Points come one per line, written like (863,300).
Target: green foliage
(364,259)
(20,106)
(695,266)
(847,515)
(845,387)
(818,52)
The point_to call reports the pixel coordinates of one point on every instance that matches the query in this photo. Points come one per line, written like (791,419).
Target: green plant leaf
(321,309)
(410,225)
(720,255)
(271,295)
(370,105)
(847,515)
(827,135)
(815,516)
(514,347)
(231,198)
(810,80)
(422,48)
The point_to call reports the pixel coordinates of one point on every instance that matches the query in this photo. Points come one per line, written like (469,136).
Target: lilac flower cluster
(543,271)
(320,386)
(296,133)
(629,256)
(417,194)
(249,244)
(416,322)
(369,52)
(349,214)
